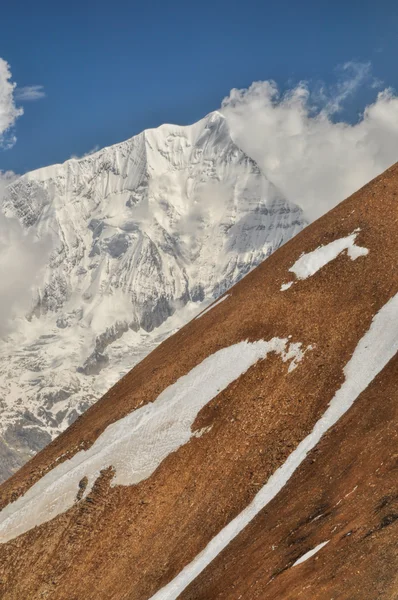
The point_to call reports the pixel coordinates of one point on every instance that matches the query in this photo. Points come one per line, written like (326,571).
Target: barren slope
(268,369)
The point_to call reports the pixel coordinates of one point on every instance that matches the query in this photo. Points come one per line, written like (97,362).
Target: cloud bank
(10,94)
(22,260)
(9,112)
(22,256)
(297,139)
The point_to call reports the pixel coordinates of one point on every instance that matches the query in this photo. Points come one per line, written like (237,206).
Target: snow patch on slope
(374,350)
(136,445)
(311,262)
(310,553)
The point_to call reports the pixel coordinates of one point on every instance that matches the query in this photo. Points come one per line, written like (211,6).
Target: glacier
(146,233)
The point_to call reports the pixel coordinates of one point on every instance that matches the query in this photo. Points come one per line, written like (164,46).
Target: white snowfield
(311,262)
(310,553)
(136,445)
(373,352)
(142,230)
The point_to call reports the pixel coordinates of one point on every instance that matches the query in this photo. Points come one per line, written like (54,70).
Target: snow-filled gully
(136,444)
(310,553)
(373,352)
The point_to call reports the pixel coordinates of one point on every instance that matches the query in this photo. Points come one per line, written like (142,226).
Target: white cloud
(8,110)
(22,260)
(295,137)
(30,93)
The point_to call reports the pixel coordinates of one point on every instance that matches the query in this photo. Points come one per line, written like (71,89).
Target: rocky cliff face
(145,233)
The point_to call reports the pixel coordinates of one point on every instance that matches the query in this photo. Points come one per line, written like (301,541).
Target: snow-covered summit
(144,233)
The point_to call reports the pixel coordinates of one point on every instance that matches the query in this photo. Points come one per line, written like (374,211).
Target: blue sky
(110,70)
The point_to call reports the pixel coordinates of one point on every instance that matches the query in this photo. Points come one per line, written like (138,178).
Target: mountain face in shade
(250,455)
(144,233)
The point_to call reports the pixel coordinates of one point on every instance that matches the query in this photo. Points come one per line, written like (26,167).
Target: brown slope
(346,492)
(127,542)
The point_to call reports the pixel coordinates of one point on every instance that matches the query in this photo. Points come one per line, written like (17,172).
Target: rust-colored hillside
(128,541)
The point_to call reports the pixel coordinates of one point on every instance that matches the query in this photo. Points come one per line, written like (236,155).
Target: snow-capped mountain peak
(144,232)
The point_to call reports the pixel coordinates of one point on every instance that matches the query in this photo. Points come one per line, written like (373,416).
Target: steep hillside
(253,454)
(144,232)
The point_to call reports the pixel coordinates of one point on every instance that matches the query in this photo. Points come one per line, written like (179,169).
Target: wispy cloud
(9,112)
(92,151)
(298,141)
(29,93)
(352,75)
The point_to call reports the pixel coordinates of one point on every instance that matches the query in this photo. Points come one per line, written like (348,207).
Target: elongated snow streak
(310,553)
(308,264)
(212,306)
(374,350)
(136,444)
